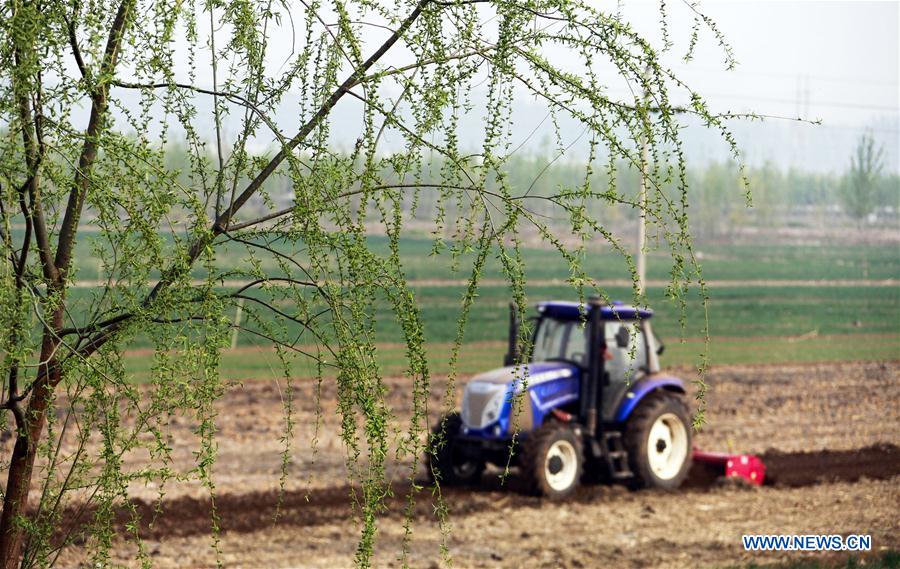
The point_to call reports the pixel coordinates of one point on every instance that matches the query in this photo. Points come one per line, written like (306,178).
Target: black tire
(671,409)
(551,450)
(444,461)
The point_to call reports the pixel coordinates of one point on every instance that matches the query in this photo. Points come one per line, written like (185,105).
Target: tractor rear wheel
(658,441)
(553,460)
(445,462)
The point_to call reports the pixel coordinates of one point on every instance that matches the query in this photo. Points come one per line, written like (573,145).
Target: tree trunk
(21,468)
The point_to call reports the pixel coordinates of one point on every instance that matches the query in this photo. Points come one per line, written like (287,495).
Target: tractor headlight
(492,409)
(483,403)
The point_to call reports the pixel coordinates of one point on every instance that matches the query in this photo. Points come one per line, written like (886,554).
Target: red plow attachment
(745,466)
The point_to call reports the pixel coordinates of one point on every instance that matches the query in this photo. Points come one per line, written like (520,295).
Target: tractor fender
(641,388)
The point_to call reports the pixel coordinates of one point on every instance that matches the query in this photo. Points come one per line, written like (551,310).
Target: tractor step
(616,456)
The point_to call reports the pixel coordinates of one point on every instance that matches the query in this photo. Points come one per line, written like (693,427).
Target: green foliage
(91,96)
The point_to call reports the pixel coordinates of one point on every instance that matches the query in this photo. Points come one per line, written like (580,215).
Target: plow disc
(744,466)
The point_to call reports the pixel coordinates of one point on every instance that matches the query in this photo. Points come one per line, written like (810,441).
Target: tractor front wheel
(553,460)
(445,462)
(658,440)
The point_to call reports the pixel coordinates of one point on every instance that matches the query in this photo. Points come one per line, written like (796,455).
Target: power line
(824,78)
(803,102)
(859,128)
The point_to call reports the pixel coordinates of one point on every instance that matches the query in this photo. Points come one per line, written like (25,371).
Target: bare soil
(827,433)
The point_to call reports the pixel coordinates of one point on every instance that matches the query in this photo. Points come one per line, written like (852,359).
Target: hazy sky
(840,57)
(835,61)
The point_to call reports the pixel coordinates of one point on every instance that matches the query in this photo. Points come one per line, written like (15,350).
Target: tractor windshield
(558,339)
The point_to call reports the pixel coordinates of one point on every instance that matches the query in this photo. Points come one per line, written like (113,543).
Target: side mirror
(623,337)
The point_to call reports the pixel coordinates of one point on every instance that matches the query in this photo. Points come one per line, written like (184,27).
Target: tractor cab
(628,349)
(588,392)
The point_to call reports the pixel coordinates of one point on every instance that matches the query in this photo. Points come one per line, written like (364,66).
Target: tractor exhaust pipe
(591,388)
(512,352)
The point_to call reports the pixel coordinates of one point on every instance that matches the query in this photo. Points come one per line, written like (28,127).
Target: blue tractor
(587,401)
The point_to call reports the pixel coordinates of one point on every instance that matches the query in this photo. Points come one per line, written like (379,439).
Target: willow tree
(93,91)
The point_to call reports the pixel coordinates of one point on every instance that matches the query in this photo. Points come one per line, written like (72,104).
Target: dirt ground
(826,431)
(606,527)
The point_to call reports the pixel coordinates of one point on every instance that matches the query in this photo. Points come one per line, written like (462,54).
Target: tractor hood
(532,373)
(487,398)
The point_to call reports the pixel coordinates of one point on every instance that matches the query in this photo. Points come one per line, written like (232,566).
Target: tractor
(589,401)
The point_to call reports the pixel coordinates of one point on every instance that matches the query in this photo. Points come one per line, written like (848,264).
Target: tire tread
(533,453)
(636,431)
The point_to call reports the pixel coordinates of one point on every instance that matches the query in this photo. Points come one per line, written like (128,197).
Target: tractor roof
(570,310)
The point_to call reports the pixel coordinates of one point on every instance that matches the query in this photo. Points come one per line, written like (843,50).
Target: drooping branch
(223,220)
(215,93)
(96,123)
(54,268)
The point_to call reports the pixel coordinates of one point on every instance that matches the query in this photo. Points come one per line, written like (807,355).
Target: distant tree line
(864,193)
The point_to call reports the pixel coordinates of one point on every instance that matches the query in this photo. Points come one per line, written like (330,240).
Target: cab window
(624,362)
(560,339)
